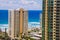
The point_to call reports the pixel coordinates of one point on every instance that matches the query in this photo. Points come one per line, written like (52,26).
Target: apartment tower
(51,20)
(18,23)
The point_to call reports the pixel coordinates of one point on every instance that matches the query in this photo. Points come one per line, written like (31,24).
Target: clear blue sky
(33,16)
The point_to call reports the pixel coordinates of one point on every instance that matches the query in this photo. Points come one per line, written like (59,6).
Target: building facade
(18,23)
(51,20)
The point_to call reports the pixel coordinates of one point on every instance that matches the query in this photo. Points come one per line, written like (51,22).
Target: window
(57,24)
(54,15)
(57,16)
(57,19)
(57,27)
(54,18)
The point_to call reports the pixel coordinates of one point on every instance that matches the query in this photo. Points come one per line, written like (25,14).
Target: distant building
(41,20)
(18,23)
(0,30)
(36,35)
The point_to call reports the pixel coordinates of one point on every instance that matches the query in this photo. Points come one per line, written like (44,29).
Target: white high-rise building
(18,23)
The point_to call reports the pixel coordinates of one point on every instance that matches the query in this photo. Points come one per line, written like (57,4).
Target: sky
(30,5)
(26,4)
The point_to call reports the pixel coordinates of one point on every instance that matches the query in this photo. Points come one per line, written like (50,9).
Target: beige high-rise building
(18,23)
(51,20)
